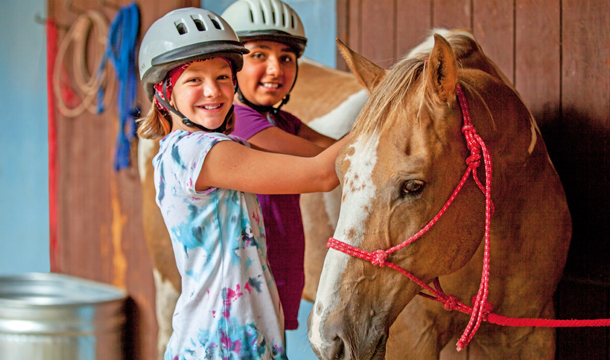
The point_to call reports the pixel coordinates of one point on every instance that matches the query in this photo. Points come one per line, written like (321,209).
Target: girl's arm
(277,140)
(315,137)
(230,165)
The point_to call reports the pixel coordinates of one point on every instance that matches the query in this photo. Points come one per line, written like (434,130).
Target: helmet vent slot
(216,24)
(292,21)
(264,20)
(251,16)
(181,28)
(200,25)
(273,17)
(284,20)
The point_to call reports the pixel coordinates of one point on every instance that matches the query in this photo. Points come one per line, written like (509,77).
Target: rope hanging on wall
(87,84)
(120,50)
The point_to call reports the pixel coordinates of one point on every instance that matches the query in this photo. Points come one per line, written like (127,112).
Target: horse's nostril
(338,352)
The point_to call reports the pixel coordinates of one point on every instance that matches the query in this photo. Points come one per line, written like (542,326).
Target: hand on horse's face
(269,71)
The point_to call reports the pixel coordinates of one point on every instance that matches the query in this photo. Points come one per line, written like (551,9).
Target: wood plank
(538,61)
(452,14)
(413,24)
(342,30)
(355,25)
(493,27)
(586,55)
(378,37)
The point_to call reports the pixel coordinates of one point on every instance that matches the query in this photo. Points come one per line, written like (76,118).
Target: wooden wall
(557,52)
(100,224)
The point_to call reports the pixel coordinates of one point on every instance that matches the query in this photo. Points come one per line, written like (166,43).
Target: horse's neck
(319,90)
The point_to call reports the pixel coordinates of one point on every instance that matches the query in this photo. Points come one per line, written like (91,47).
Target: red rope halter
(481,310)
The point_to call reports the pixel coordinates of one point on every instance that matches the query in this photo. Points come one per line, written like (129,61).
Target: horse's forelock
(388,97)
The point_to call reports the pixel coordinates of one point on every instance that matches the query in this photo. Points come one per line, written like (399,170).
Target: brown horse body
(406,156)
(327,100)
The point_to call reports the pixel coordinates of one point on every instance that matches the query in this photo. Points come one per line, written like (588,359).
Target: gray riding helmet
(271,20)
(185,35)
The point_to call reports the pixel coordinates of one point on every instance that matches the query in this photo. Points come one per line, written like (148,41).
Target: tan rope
(87,84)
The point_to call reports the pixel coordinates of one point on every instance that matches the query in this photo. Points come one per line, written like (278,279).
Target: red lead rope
(481,310)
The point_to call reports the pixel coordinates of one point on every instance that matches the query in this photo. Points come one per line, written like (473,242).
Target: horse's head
(405,158)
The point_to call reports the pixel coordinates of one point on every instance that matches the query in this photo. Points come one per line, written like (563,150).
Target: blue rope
(121,50)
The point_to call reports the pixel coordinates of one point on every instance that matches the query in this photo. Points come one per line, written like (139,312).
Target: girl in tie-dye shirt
(205,180)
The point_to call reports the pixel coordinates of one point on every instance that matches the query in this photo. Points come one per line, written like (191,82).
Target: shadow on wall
(579,149)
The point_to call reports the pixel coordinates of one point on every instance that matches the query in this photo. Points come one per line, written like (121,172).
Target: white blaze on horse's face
(358,193)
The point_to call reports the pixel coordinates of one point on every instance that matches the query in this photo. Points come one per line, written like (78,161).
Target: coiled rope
(87,84)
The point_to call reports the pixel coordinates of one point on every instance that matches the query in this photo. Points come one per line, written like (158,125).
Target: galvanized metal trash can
(47,316)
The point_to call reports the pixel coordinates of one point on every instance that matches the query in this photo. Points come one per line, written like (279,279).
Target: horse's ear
(442,69)
(367,73)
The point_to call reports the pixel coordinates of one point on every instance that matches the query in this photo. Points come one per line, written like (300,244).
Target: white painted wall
(24,195)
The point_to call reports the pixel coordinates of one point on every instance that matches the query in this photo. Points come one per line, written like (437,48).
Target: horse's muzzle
(343,340)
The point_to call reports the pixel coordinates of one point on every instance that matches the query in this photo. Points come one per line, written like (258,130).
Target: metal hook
(110,5)
(73,9)
(39,19)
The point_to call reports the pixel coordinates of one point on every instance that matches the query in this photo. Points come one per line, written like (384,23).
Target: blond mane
(391,94)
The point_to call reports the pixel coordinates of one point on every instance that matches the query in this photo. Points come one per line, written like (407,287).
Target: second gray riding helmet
(182,36)
(271,20)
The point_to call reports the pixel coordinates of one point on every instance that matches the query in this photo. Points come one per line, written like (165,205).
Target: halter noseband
(481,308)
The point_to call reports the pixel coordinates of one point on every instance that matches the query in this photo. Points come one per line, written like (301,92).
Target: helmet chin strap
(268,108)
(185,120)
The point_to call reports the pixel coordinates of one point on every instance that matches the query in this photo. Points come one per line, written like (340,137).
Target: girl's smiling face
(204,93)
(268,73)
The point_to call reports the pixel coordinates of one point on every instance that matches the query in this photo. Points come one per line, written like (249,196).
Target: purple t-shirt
(282,217)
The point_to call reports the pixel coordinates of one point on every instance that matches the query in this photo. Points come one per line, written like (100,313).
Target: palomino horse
(408,156)
(328,101)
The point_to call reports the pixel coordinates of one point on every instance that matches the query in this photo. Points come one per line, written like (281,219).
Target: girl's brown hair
(155,125)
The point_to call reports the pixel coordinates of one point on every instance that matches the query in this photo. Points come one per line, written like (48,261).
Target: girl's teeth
(211,107)
(273,86)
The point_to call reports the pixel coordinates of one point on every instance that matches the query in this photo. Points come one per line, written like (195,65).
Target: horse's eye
(412,187)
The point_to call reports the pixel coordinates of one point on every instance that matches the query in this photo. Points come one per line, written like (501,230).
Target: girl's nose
(211,89)
(273,66)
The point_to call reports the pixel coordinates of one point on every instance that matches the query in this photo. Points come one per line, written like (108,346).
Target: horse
(440,116)
(328,101)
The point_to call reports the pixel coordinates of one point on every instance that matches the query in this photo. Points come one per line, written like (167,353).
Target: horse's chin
(366,349)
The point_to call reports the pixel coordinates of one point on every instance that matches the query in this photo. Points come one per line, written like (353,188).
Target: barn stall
(556,52)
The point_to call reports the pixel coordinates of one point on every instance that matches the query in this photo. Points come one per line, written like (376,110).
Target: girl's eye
(257,55)
(412,187)
(287,59)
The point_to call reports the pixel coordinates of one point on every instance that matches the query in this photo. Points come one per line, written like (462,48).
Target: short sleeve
(248,122)
(189,154)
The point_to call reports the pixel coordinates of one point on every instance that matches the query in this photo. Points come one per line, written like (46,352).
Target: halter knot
(450,302)
(474,158)
(471,139)
(487,307)
(379,258)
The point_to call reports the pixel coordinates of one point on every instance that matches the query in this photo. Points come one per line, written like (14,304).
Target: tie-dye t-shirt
(229,307)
